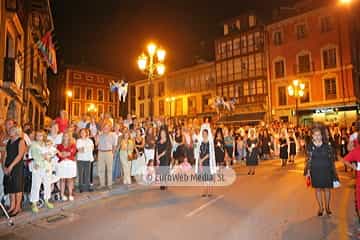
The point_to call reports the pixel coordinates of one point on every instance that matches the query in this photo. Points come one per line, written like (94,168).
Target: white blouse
(88,146)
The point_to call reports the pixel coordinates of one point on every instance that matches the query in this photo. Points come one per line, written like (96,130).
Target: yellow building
(183,93)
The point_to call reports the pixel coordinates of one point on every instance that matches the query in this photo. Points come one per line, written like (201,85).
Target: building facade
(12,37)
(183,93)
(90,93)
(320,48)
(24,95)
(241,68)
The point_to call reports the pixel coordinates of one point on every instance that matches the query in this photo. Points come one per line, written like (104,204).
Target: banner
(47,49)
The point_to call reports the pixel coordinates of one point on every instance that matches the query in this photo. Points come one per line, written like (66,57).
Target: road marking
(192,213)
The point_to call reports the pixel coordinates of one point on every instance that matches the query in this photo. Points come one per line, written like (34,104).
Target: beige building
(24,95)
(183,93)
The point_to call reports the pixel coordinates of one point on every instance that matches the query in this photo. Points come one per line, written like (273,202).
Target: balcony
(39,90)
(251,99)
(12,77)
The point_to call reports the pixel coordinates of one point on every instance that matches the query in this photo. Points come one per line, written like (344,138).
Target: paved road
(274,204)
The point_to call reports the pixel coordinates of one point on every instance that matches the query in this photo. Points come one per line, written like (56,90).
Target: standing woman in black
(292,142)
(163,153)
(344,141)
(283,143)
(321,168)
(252,153)
(13,169)
(219,144)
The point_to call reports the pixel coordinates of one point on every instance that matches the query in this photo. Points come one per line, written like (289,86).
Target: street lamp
(69,95)
(170,100)
(296,90)
(152,64)
(345,2)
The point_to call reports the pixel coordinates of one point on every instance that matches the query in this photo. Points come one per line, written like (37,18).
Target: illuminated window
(282,97)
(77,94)
(100,95)
(89,93)
(330,88)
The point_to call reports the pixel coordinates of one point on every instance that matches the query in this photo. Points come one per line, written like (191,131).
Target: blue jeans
(116,166)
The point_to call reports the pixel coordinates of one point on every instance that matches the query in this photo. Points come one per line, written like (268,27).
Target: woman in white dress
(66,169)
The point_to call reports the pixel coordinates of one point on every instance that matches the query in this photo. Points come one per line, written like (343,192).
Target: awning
(246,118)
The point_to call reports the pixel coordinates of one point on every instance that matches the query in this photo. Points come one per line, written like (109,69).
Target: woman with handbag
(163,153)
(127,148)
(321,169)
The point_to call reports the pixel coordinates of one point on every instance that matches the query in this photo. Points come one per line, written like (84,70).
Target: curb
(28,217)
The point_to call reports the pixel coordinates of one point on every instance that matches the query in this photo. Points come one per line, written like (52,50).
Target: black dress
(252,157)
(283,150)
(265,145)
(321,166)
(219,151)
(292,146)
(205,150)
(13,183)
(179,152)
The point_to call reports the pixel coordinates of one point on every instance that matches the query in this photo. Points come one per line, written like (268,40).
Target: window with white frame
(282,97)
(89,93)
(329,56)
(76,109)
(330,88)
(278,38)
(77,94)
(304,64)
(301,31)
(100,95)
(279,67)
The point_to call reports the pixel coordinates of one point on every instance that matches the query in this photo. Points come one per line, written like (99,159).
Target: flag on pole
(47,48)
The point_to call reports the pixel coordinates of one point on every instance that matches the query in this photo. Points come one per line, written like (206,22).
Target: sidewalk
(81,199)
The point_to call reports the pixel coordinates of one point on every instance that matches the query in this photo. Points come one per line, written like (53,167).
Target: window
(329,58)
(278,38)
(243,45)
(306,97)
(77,93)
(252,87)
(330,88)
(251,42)
(229,48)
(178,107)
(259,64)
(111,110)
(100,95)
(259,43)
(231,91)
(161,88)
(76,109)
(161,107)
(142,93)
(252,21)
(205,101)
(236,46)
(246,88)
(89,94)
(77,76)
(260,87)
(326,24)
(100,109)
(230,67)
(142,110)
(237,68)
(282,96)
(89,78)
(304,63)
(251,65)
(226,29)
(111,97)
(300,31)
(192,105)
(279,69)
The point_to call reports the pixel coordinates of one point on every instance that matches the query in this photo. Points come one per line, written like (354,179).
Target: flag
(47,49)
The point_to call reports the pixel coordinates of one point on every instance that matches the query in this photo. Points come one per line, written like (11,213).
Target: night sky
(110,34)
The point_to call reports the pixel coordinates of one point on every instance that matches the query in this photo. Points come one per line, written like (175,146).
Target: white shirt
(82,124)
(56,140)
(88,146)
(93,129)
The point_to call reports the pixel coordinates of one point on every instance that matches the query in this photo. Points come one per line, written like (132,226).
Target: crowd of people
(40,162)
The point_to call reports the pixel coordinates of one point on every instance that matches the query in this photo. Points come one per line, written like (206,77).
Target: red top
(62,123)
(354,155)
(70,149)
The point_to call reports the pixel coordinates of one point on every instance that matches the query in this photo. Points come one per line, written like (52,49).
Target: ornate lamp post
(152,64)
(170,100)
(296,90)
